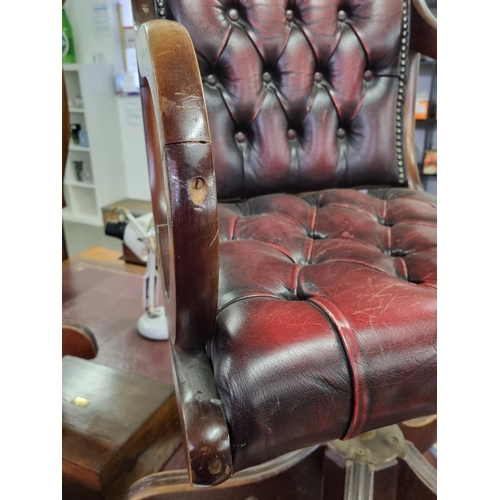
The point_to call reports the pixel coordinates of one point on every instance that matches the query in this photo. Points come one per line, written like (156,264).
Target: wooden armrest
(203,423)
(182,180)
(423,29)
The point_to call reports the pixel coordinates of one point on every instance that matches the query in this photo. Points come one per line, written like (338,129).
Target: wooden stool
(117,428)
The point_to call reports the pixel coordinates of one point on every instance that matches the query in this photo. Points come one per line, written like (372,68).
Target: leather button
(234,15)
(368,75)
(318,77)
(341,16)
(292,134)
(211,80)
(240,137)
(290,16)
(267,77)
(340,133)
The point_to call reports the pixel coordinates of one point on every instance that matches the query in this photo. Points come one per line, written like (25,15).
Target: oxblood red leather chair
(302,307)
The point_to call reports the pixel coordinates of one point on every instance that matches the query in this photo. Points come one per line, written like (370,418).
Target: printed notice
(134,114)
(100,20)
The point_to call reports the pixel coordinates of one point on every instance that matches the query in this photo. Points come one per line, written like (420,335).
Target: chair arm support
(203,423)
(423,29)
(181,177)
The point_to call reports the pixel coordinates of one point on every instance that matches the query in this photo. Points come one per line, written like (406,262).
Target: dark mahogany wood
(414,181)
(297,476)
(422,436)
(181,178)
(184,205)
(78,341)
(117,427)
(423,29)
(423,40)
(66,132)
(143,10)
(317,473)
(204,426)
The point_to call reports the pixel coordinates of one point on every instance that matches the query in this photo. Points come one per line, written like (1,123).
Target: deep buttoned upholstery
(326,323)
(327,316)
(301,95)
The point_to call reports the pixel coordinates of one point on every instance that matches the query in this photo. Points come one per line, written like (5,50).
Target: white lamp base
(153,326)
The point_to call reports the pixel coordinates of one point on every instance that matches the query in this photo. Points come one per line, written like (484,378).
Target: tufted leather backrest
(301,94)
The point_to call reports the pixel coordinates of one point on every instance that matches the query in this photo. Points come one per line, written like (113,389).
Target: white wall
(96,34)
(134,148)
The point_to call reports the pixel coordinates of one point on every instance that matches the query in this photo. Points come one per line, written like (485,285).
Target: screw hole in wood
(198,190)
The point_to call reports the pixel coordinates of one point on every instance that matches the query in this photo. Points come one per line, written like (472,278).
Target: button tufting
(341,16)
(240,137)
(341,133)
(234,15)
(318,77)
(211,80)
(292,134)
(368,75)
(267,77)
(290,15)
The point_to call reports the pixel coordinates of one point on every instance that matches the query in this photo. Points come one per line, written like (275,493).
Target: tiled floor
(80,237)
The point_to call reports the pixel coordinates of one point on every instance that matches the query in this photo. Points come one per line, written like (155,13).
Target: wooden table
(104,294)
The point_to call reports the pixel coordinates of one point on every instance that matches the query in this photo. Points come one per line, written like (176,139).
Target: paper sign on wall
(134,114)
(100,20)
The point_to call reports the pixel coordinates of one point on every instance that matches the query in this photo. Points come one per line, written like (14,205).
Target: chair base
(378,465)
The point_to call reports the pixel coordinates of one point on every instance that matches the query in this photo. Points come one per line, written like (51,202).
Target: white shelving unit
(104,182)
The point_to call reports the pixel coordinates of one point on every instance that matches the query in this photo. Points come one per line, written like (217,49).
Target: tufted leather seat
(327,308)
(325,325)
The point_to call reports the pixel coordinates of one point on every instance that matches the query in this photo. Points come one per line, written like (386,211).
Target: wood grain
(124,416)
(179,152)
(423,29)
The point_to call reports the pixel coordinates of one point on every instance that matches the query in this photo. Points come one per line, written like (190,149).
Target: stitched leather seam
(245,297)
(354,360)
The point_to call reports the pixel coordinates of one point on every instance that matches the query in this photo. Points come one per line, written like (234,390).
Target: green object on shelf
(68,47)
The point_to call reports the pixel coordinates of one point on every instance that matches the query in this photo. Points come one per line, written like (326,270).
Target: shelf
(80,184)
(76,110)
(74,147)
(69,216)
(71,67)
